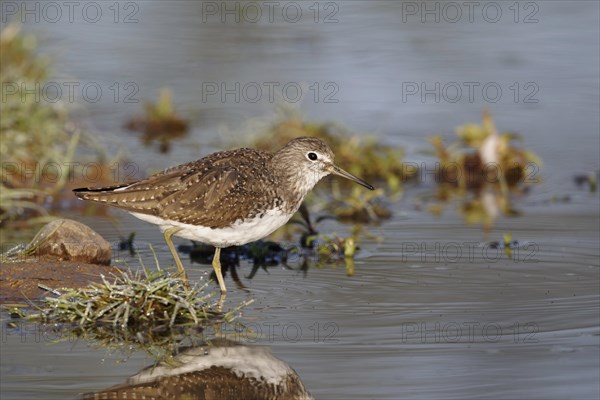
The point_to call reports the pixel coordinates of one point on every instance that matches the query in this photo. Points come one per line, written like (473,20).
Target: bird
(227,198)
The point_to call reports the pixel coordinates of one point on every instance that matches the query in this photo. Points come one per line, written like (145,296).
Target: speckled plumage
(217,190)
(245,191)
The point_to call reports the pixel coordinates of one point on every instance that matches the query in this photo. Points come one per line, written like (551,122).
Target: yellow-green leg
(217,267)
(168,233)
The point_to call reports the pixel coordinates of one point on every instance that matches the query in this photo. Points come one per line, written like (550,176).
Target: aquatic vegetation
(482,155)
(126,300)
(128,244)
(307,225)
(590,180)
(321,250)
(333,247)
(38,137)
(152,311)
(508,245)
(325,250)
(33,133)
(359,206)
(481,171)
(160,122)
(360,154)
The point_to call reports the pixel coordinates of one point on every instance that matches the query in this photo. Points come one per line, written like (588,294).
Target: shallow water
(412,324)
(432,310)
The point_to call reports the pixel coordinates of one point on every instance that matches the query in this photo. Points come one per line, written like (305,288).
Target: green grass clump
(131,301)
(155,312)
(151,311)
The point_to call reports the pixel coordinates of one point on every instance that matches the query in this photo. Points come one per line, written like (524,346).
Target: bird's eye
(312,156)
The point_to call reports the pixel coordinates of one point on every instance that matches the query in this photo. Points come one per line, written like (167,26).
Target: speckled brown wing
(217,191)
(208,192)
(207,198)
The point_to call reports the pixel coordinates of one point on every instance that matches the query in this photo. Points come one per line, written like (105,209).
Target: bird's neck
(296,183)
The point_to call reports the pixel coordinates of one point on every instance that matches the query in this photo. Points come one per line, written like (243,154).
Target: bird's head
(307,160)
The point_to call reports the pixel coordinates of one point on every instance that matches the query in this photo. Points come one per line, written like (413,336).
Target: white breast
(241,232)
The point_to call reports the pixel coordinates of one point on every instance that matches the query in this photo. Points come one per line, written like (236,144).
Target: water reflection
(222,369)
(482,205)
(262,255)
(187,361)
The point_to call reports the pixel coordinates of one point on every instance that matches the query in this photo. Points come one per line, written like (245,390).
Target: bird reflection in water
(222,370)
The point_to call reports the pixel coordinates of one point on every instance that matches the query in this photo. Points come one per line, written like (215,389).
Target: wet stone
(71,240)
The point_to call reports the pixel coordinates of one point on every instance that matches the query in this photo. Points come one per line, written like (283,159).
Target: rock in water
(71,240)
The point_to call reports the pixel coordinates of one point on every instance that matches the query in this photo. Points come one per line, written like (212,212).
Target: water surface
(432,311)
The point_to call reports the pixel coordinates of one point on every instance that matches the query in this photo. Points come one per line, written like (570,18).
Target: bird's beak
(338,171)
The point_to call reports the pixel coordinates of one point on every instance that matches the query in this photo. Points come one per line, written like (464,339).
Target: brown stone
(19,279)
(71,240)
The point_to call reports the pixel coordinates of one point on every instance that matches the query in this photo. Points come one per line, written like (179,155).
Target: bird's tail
(136,200)
(100,194)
